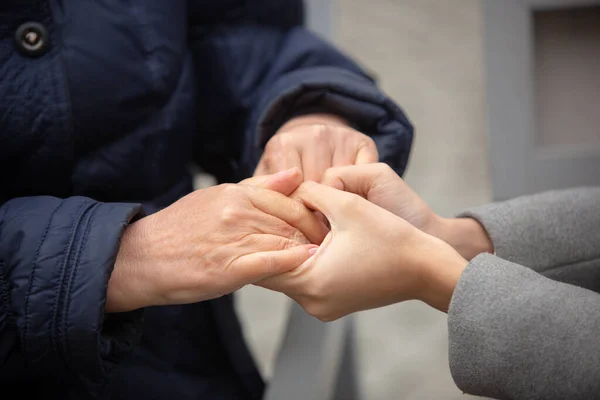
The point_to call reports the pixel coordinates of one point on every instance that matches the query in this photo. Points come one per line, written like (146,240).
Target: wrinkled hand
(315,143)
(371,258)
(210,243)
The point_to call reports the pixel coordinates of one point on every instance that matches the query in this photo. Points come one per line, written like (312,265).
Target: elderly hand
(212,242)
(371,258)
(315,143)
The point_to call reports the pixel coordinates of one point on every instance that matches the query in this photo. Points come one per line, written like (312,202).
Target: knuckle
(368,142)
(319,310)
(252,240)
(316,291)
(286,231)
(230,215)
(319,131)
(384,169)
(299,237)
(269,263)
(329,175)
(364,141)
(281,140)
(284,244)
(333,177)
(349,203)
(296,212)
(312,307)
(271,146)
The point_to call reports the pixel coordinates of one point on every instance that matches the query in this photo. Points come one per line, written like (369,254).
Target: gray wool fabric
(519,328)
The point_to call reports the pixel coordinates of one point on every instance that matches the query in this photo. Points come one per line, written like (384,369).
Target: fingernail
(313,250)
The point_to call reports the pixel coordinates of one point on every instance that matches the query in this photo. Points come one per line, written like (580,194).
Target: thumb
(255,267)
(339,207)
(357,179)
(284,182)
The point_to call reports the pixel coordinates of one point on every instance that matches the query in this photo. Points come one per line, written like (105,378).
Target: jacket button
(32,39)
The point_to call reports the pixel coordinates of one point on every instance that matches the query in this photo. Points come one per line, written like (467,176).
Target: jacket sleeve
(274,73)
(556,233)
(515,334)
(525,326)
(56,257)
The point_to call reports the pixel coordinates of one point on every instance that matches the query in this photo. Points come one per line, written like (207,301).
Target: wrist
(126,291)
(441,271)
(466,235)
(314,119)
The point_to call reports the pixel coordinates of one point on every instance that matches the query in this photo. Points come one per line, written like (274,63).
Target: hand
(210,243)
(284,182)
(379,184)
(314,143)
(371,258)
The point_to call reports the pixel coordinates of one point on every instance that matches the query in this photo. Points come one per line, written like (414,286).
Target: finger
(284,182)
(287,158)
(344,154)
(259,242)
(358,179)
(270,225)
(290,211)
(258,180)
(286,282)
(278,157)
(317,156)
(315,161)
(336,205)
(367,152)
(296,280)
(257,266)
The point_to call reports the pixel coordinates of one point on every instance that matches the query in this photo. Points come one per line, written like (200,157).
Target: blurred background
(502,94)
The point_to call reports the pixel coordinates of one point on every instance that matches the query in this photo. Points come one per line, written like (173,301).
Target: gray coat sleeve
(555,233)
(521,332)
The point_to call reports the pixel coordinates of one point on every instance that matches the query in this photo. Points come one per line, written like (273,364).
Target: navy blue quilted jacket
(104,105)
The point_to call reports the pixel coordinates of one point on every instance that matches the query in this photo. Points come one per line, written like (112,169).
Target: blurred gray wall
(319,16)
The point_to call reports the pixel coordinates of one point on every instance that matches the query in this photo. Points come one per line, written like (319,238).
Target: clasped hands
(384,246)
(381,243)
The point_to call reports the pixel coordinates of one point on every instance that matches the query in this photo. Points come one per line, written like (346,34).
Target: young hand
(379,184)
(370,258)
